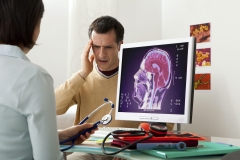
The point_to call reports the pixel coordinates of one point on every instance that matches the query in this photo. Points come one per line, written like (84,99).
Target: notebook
(169,137)
(204,149)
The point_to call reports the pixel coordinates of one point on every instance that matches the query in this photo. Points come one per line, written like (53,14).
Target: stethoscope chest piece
(106,119)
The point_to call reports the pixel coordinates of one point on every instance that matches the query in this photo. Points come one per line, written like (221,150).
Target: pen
(180,146)
(224,143)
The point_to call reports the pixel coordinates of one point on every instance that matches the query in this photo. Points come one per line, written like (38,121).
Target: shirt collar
(12,51)
(107,74)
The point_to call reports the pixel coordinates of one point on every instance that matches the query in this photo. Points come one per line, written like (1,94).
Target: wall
(215,112)
(51,51)
(141,19)
(65,24)
(134,15)
(81,15)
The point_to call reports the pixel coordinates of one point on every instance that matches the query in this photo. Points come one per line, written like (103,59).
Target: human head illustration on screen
(152,79)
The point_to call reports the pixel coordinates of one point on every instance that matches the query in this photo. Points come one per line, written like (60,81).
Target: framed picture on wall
(203,57)
(202,81)
(201,32)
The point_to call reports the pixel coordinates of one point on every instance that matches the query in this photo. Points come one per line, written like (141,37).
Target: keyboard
(102,132)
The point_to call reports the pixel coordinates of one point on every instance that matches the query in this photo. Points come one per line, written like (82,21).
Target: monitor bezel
(150,117)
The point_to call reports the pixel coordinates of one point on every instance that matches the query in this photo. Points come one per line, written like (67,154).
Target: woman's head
(19,20)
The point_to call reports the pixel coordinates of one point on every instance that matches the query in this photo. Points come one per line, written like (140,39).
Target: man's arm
(170,126)
(67,94)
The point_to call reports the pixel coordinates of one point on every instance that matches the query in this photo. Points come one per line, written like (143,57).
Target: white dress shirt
(28,127)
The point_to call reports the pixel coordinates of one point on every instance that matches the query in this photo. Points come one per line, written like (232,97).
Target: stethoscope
(105,120)
(147,130)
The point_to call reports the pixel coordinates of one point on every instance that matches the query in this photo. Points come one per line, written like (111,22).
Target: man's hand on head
(86,61)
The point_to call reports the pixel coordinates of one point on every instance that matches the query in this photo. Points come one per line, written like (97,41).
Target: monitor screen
(156,81)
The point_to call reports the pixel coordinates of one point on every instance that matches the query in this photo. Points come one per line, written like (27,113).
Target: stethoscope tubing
(124,148)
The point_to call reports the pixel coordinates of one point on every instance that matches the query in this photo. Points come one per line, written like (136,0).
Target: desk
(91,147)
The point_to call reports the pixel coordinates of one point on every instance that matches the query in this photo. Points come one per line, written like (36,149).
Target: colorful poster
(203,57)
(202,81)
(201,32)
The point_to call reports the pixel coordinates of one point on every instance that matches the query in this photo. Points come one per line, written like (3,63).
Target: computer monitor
(156,81)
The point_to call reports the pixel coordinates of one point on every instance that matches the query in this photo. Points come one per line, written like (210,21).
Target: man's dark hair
(18,20)
(106,23)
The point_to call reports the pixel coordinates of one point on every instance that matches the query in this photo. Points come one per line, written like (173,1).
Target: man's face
(105,50)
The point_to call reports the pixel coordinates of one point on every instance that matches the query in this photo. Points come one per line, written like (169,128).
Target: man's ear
(119,46)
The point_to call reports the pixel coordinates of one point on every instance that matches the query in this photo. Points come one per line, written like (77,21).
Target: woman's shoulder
(30,70)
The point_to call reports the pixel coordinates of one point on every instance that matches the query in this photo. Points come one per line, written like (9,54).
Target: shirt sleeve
(170,126)
(37,103)
(67,94)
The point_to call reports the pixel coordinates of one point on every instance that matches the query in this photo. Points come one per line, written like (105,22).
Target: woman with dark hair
(28,127)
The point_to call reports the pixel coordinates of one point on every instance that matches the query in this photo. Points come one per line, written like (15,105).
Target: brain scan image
(153,79)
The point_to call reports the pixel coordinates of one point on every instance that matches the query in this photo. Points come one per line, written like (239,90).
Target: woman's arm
(37,103)
(71,131)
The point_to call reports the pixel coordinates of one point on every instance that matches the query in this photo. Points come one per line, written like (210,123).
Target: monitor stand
(178,128)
